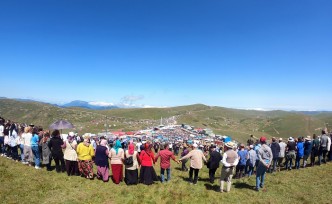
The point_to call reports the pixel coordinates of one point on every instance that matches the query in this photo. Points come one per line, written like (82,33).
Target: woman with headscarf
(46,152)
(147,174)
(131,171)
(85,152)
(55,146)
(70,155)
(101,160)
(117,155)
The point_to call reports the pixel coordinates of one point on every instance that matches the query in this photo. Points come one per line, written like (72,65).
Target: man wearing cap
(229,160)
(213,162)
(265,157)
(196,156)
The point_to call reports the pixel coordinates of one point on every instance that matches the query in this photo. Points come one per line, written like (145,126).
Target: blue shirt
(300,149)
(242,154)
(34,140)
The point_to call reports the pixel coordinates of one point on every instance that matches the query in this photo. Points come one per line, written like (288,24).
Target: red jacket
(146,159)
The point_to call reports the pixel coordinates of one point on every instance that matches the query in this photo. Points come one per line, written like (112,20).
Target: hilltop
(225,121)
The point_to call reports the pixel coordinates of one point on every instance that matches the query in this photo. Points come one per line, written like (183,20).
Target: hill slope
(237,123)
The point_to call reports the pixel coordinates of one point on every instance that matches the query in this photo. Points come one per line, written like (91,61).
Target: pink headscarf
(131,148)
(103,143)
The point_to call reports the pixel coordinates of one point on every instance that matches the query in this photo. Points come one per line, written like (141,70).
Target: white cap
(71,134)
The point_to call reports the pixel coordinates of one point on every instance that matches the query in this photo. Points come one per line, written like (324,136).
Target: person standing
(131,171)
(323,147)
(300,152)
(214,160)
(2,145)
(307,150)
(26,136)
(13,139)
(138,146)
(147,174)
(156,147)
(251,160)
(282,152)
(165,162)
(291,147)
(117,156)
(265,158)
(196,156)
(183,162)
(101,160)
(242,153)
(275,148)
(230,160)
(34,147)
(46,152)
(314,150)
(55,145)
(85,152)
(330,147)
(70,155)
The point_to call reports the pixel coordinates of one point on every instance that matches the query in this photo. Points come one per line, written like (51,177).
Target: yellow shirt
(84,152)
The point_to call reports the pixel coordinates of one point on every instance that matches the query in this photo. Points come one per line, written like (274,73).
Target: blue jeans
(35,151)
(22,151)
(260,175)
(162,171)
(289,163)
(250,170)
(297,162)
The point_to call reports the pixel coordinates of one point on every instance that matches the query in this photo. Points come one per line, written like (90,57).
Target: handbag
(128,161)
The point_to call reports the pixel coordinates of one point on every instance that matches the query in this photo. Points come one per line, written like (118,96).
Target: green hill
(237,123)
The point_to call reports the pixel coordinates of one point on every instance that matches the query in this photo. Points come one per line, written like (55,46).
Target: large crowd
(134,163)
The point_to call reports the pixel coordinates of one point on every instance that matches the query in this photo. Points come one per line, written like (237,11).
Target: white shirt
(1,130)
(138,146)
(27,139)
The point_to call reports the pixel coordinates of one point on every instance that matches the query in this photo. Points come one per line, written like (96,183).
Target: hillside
(237,123)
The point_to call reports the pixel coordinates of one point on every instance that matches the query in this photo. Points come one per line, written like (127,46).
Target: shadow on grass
(185,178)
(210,187)
(242,185)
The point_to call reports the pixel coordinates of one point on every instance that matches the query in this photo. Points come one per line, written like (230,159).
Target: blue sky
(239,54)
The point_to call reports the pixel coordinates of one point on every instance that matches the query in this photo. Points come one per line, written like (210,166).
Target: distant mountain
(90,105)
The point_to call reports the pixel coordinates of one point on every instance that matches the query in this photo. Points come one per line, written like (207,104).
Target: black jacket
(214,160)
(55,147)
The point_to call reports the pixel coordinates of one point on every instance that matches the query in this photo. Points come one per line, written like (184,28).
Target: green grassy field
(23,184)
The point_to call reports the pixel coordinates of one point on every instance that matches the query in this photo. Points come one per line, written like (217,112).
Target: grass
(23,184)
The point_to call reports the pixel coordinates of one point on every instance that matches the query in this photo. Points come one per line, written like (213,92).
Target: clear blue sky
(240,54)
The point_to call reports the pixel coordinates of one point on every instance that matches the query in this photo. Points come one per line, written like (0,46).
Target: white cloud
(100,103)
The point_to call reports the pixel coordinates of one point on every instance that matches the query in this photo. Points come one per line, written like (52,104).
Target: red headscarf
(131,148)
(147,147)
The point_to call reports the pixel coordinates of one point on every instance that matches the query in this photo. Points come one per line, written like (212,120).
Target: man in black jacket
(213,162)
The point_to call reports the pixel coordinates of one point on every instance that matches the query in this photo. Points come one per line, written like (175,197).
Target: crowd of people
(134,163)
